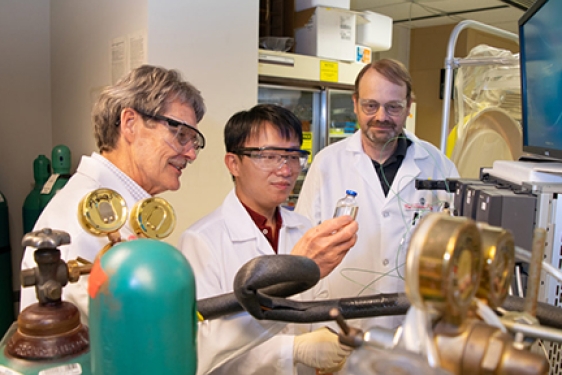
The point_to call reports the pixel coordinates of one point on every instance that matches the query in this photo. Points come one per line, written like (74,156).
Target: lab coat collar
(408,171)
(239,223)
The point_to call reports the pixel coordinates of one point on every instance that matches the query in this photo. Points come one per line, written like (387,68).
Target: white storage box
(326,32)
(376,33)
(307,4)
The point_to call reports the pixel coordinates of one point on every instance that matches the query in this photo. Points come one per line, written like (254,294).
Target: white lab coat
(376,263)
(61,213)
(216,247)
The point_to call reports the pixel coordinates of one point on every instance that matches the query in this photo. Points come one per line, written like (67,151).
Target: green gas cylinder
(61,163)
(142,311)
(32,206)
(6,290)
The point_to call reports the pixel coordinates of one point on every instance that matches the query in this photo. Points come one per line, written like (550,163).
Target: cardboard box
(376,33)
(363,54)
(307,4)
(326,32)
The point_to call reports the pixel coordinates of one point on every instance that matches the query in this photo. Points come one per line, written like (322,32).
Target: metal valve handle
(46,239)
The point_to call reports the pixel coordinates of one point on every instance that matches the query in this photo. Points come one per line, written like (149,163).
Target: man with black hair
(264,156)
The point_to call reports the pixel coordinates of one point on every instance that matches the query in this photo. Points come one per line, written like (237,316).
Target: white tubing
(489,316)
(525,255)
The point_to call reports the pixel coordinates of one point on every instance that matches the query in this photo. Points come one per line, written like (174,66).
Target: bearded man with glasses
(380,162)
(264,157)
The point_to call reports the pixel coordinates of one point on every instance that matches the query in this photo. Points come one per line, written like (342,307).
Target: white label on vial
(7,371)
(350,210)
(71,369)
(49,184)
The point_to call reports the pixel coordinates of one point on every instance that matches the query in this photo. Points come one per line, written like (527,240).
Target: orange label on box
(329,71)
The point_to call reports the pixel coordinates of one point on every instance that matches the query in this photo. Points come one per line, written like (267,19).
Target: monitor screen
(540,42)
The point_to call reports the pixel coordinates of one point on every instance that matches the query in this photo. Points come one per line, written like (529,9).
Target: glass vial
(347,205)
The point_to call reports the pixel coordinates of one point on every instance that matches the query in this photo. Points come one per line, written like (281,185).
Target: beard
(382,133)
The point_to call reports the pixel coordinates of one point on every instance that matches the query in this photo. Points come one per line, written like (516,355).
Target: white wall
(25,105)
(215,45)
(81,35)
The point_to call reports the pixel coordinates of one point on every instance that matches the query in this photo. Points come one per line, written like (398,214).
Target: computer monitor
(540,42)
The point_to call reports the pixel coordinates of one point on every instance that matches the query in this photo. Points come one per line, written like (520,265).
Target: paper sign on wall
(329,71)
(127,53)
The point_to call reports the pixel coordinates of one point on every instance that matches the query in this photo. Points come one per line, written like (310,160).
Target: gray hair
(147,88)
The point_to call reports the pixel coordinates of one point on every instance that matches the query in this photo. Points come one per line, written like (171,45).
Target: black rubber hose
(261,285)
(272,275)
(547,315)
(357,307)
(219,306)
(319,311)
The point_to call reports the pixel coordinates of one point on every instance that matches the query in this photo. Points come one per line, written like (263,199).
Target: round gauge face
(102,211)
(463,278)
(153,218)
(465,268)
(499,259)
(443,264)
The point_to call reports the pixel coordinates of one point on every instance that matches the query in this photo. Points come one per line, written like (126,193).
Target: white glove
(320,349)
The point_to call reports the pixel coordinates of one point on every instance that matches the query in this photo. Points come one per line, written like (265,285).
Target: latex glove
(320,349)
(331,370)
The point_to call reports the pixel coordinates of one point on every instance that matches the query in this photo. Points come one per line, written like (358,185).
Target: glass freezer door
(342,121)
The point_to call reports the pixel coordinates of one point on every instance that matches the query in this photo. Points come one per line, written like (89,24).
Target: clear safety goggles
(271,158)
(184,136)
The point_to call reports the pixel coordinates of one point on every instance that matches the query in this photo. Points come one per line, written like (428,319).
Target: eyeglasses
(371,107)
(186,135)
(270,158)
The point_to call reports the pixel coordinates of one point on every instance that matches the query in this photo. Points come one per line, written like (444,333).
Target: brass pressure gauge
(443,264)
(499,259)
(102,211)
(153,218)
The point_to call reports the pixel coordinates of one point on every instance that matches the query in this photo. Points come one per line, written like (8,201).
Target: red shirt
(261,222)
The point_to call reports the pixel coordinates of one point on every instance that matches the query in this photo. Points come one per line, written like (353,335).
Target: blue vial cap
(351,192)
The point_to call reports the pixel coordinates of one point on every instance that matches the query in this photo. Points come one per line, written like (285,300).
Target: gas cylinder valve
(51,273)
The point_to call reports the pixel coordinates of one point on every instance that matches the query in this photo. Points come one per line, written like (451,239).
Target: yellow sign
(329,71)
(307,144)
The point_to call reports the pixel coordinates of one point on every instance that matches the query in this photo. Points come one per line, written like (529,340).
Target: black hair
(244,125)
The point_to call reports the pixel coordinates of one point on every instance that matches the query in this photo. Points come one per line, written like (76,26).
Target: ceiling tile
(431,22)
(460,5)
(498,15)
(370,4)
(512,27)
(403,11)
